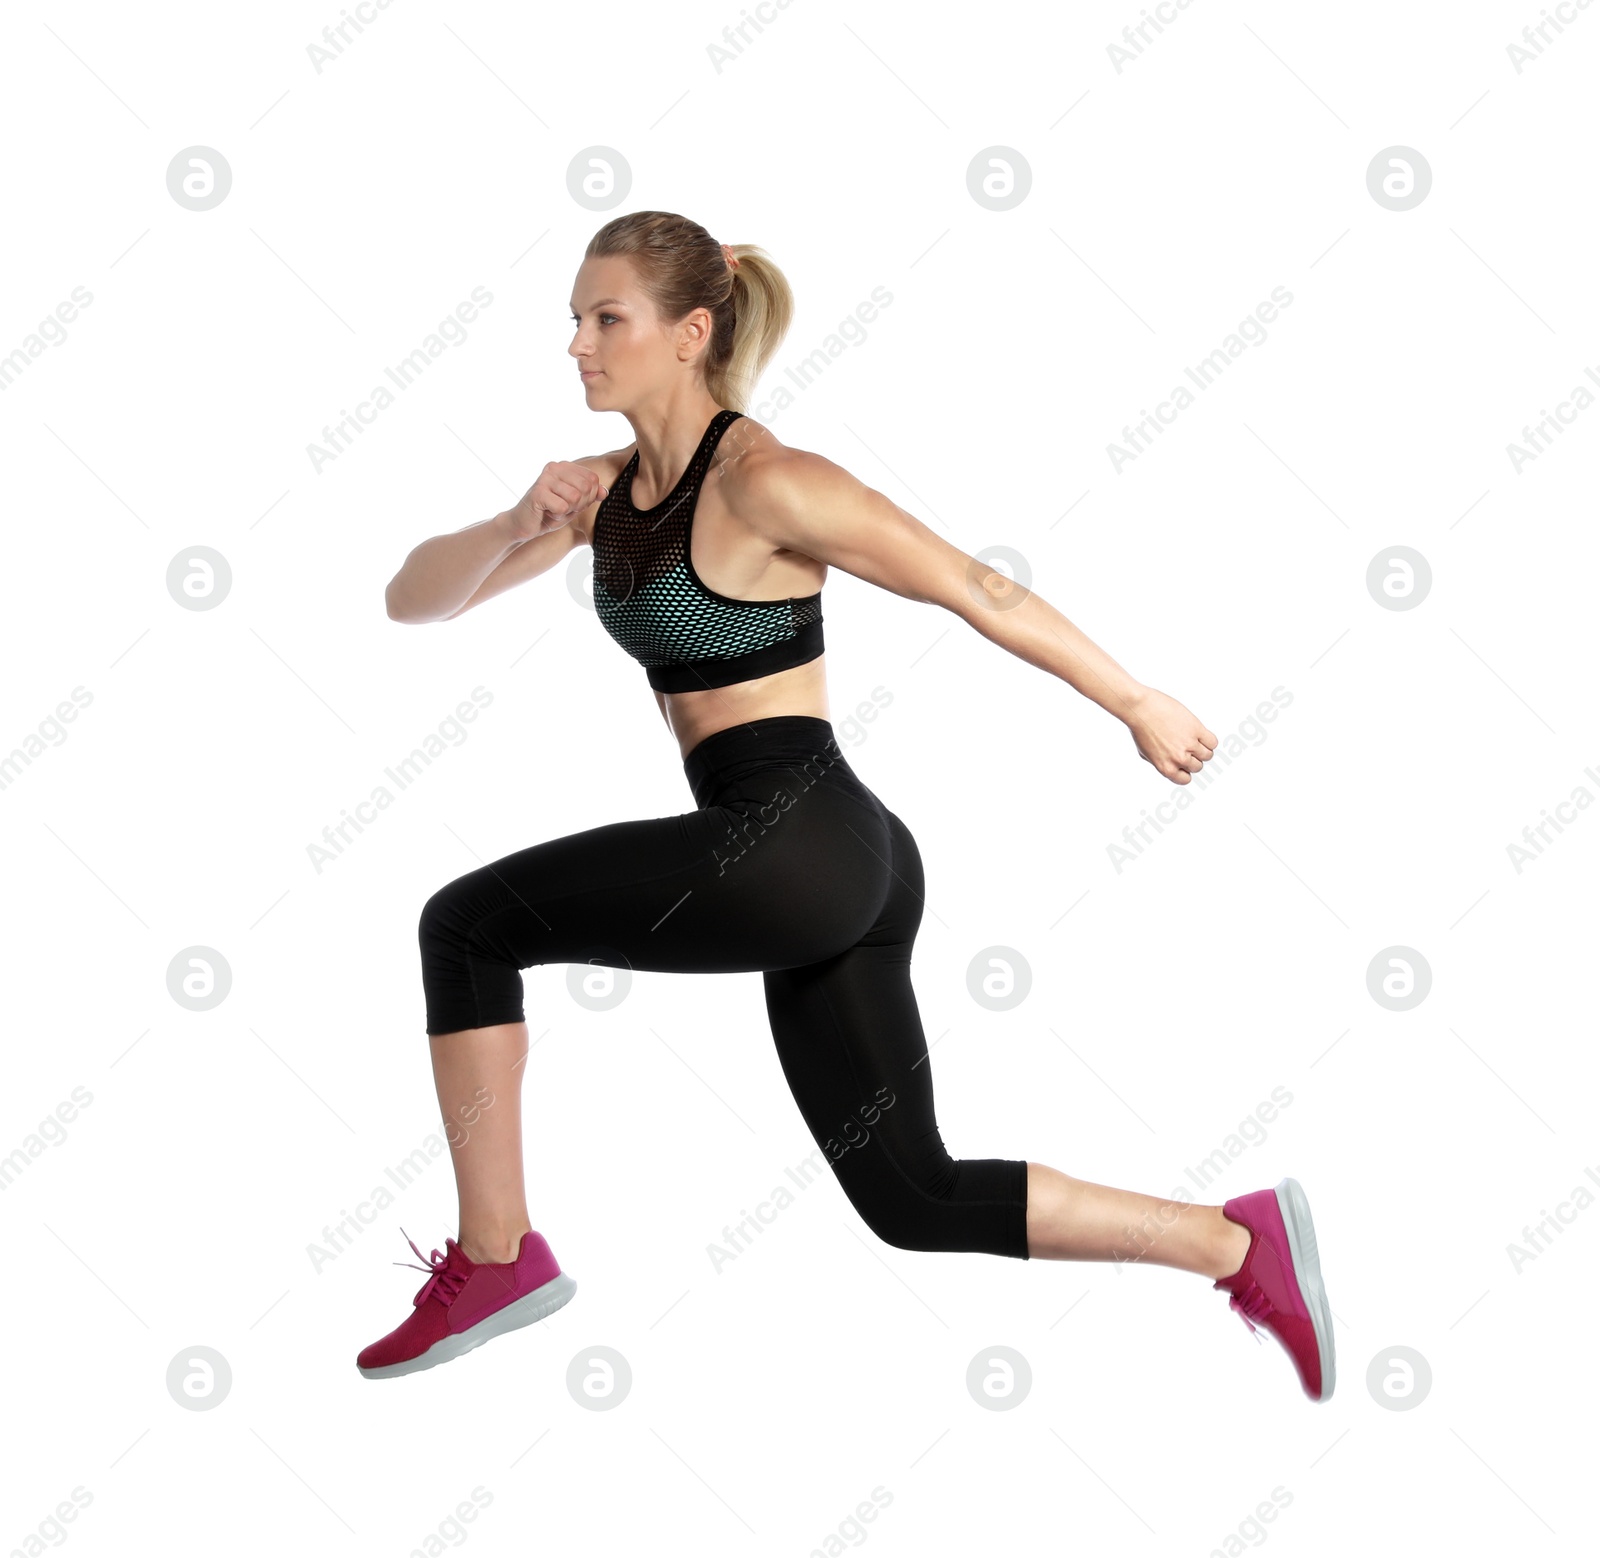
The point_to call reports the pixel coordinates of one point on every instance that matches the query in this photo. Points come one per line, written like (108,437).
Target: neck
(668,435)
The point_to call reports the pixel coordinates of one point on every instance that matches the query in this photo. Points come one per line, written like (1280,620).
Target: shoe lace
(443,1278)
(1251,1305)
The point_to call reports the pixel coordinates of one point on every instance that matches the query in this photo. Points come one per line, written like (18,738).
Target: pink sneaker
(463,1304)
(1279,1286)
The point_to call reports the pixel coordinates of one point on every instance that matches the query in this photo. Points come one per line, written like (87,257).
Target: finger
(1210,740)
(569,495)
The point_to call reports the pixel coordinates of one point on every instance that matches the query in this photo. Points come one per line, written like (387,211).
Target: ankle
(491,1247)
(1232,1245)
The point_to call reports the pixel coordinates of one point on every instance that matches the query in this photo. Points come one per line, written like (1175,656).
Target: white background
(1167,201)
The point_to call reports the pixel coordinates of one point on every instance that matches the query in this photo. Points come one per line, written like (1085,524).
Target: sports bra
(651,601)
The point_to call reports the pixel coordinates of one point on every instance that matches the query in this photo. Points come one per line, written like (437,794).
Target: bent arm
(806,503)
(447,575)
(439,574)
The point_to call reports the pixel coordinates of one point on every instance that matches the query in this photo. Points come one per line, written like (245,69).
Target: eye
(603,319)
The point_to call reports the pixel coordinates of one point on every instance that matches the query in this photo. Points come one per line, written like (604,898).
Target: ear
(694,334)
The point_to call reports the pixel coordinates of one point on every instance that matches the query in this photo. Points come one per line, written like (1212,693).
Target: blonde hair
(682,267)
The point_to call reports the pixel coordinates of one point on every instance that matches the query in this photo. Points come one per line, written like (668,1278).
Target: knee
(911,1224)
(452,919)
(942,1203)
(439,924)
(907,1206)
(470,974)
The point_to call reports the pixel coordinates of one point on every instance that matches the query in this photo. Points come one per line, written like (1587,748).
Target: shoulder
(761,477)
(608,467)
(801,502)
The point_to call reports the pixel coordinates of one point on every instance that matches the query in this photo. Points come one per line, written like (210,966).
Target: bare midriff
(692,716)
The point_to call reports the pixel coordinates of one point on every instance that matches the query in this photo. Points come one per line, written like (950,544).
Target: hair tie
(730,257)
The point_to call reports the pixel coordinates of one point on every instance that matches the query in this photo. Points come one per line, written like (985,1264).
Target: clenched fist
(564,488)
(1169,737)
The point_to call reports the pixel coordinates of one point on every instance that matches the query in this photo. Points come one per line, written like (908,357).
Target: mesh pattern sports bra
(649,598)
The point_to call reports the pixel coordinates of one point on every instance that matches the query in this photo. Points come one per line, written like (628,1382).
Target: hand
(1168,736)
(564,488)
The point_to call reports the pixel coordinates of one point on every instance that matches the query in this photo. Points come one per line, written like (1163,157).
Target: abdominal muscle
(692,716)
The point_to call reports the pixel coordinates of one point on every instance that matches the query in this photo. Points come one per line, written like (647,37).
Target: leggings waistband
(778,740)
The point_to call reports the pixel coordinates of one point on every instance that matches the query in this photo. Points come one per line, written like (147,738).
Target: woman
(788,865)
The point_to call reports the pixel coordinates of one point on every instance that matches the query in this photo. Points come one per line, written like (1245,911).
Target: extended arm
(808,504)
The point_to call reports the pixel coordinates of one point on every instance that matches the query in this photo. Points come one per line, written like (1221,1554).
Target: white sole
(1296,1212)
(530,1307)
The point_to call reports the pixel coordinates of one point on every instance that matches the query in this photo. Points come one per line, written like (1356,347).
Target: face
(626,352)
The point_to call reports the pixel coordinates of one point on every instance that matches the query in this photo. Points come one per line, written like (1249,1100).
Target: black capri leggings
(791,867)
